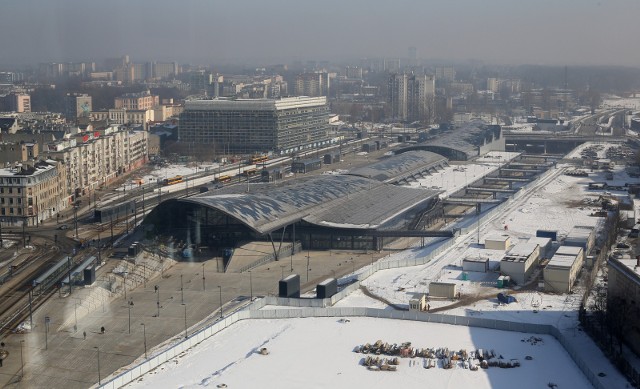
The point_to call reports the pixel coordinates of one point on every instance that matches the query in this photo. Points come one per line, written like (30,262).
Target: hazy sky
(562,32)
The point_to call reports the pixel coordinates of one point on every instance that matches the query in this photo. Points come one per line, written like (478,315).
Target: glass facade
(249,126)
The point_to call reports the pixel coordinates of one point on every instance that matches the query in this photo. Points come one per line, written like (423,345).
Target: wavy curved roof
(341,201)
(400,165)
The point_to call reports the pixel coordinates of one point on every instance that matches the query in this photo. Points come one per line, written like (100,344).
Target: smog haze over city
(571,32)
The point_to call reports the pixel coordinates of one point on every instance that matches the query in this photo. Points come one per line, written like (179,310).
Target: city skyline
(541,32)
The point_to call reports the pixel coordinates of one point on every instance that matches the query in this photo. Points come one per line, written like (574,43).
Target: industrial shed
(322,212)
(520,262)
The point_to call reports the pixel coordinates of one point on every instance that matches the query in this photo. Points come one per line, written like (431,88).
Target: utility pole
(220,288)
(203,284)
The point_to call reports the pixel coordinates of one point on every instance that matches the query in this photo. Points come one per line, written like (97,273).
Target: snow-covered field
(318,353)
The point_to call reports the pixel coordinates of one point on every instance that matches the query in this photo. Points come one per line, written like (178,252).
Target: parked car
(63,227)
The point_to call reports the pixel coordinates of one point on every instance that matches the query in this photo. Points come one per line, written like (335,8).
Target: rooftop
(254,104)
(340,201)
(392,168)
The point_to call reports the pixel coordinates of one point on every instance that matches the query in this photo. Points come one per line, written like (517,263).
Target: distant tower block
(289,286)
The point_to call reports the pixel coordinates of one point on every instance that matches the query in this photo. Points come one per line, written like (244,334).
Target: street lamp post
(185,320)
(75,219)
(158,300)
(250,286)
(181,290)
(144,333)
(69,265)
(130,305)
(21,359)
(99,376)
(203,284)
(75,314)
(220,289)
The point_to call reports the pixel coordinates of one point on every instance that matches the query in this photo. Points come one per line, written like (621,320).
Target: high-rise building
(353,72)
(412,97)
(77,105)
(256,125)
(445,74)
(18,102)
(312,84)
(165,70)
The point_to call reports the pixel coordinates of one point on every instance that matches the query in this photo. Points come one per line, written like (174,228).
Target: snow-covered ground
(455,177)
(318,353)
(621,102)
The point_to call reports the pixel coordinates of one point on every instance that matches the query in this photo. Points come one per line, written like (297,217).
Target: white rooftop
(569,250)
(522,249)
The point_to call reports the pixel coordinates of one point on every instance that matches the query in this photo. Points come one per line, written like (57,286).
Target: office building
(256,125)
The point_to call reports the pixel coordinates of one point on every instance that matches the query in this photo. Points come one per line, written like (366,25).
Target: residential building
(31,192)
(256,125)
(445,74)
(93,159)
(137,101)
(411,97)
(77,105)
(623,289)
(17,102)
(125,116)
(18,151)
(312,84)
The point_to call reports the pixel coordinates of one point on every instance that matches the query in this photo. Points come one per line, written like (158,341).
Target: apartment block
(31,192)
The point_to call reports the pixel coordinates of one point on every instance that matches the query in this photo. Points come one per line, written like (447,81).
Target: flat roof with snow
(523,249)
(569,250)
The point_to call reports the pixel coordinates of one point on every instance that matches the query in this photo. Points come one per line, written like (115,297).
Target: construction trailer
(475,264)
(553,234)
(581,236)
(497,242)
(443,289)
(520,262)
(546,245)
(561,272)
